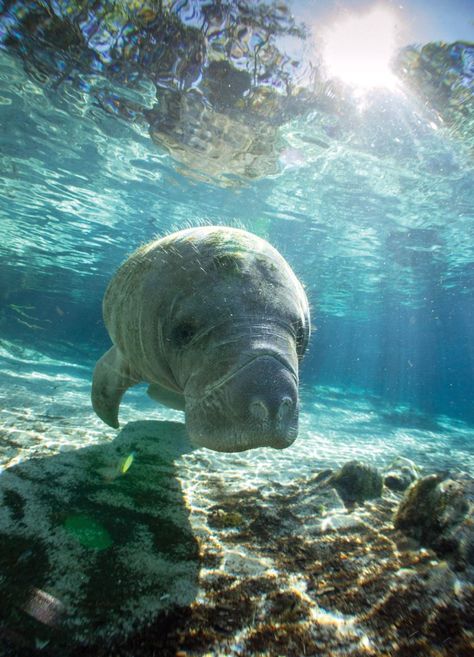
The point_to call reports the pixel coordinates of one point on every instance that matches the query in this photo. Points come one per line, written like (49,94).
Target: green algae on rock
(439,513)
(88,531)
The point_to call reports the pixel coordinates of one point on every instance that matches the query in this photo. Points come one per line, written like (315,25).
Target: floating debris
(44,607)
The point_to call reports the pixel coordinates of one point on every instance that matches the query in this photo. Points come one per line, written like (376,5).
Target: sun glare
(358,48)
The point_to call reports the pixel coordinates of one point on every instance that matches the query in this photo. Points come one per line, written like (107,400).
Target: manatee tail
(112,377)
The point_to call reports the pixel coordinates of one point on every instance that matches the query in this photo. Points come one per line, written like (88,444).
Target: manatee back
(130,308)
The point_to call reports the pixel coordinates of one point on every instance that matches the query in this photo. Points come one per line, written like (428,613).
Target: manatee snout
(257,406)
(265,396)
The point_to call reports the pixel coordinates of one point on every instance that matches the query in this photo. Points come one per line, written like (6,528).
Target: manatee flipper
(166,396)
(112,377)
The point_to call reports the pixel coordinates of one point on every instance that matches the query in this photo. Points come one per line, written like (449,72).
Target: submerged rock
(95,544)
(222,519)
(357,482)
(401,473)
(439,514)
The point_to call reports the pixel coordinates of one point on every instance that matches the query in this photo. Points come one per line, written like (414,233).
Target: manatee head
(233,337)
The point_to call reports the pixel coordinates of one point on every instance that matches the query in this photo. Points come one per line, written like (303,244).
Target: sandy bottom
(132,543)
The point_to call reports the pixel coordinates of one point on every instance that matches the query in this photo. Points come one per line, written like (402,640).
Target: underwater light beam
(358,49)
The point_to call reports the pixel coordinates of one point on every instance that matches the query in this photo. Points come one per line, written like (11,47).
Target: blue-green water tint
(370,201)
(369,198)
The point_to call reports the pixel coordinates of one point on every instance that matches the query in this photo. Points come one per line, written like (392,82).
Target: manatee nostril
(259,410)
(285,409)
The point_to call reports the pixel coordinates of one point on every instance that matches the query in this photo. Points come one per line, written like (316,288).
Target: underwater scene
(237,328)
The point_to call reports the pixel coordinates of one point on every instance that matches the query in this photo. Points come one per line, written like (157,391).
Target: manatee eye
(183,333)
(301,338)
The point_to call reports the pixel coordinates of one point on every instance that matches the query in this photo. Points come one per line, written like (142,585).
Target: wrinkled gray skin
(214,319)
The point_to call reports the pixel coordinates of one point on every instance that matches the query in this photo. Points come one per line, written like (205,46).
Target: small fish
(111,472)
(126,463)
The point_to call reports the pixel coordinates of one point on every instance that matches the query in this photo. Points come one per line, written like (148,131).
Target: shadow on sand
(95,544)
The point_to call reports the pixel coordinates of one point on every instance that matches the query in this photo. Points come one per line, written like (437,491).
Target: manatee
(216,322)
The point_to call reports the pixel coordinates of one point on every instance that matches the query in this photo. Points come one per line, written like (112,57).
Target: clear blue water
(110,138)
